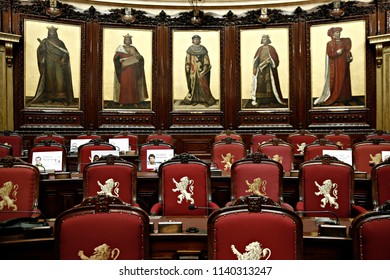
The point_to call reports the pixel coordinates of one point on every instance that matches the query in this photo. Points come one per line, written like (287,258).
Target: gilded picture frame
(52,66)
(130,86)
(335,84)
(190,93)
(265,68)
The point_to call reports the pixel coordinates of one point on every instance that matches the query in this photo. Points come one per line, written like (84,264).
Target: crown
(128,36)
(52,28)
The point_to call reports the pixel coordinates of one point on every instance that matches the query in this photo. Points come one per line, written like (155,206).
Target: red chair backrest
(343,140)
(225,152)
(5,150)
(327,186)
(119,175)
(228,134)
(317,147)
(261,177)
(380,181)
(133,140)
(273,233)
(258,139)
(84,152)
(102,228)
(14,140)
(300,139)
(58,138)
(48,146)
(279,151)
(162,136)
(367,154)
(155,144)
(182,184)
(19,182)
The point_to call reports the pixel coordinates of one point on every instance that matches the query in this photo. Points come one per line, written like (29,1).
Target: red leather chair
(133,139)
(184,185)
(327,184)
(317,147)
(84,152)
(156,144)
(14,140)
(225,152)
(378,134)
(370,234)
(19,185)
(340,138)
(280,151)
(102,228)
(367,154)
(227,134)
(254,231)
(257,174)
(380,183)
(49,146)
(259,138)
(5,150)
(111,175)
(161,136)
(50,136)
(300,139)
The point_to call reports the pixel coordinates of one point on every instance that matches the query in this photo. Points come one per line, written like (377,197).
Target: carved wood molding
(9,40)
(379,41)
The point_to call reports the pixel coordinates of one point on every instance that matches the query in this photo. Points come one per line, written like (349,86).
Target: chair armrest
(213,206)
(287,206)
(300,206)
(358,210)
(156,209)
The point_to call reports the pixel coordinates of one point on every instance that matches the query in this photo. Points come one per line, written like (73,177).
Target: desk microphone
(193,207)
(325,220)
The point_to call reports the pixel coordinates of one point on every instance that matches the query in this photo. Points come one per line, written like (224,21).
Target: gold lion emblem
(227,160)
(253,251)
(376,159)
(7,191)
(101,252)
(257,186)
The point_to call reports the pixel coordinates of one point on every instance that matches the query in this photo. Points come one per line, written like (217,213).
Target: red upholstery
(187,173)
(260,138)
(317,147)
(339,138)
(380,181)
(226,134)
(123,175)
(13,139)
(19,181)
(367,154)
(160,135)
(257,175)
(277,230)
(84,152)
(337,180)
(378,134)
(300,139)
(133,139)
(5,150)
(55,137)
(225,152)
(82,230)
(370,236)
(155,144)
(280,151)
(48,145)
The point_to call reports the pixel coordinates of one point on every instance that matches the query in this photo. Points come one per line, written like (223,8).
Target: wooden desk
(184,245)
(58,195)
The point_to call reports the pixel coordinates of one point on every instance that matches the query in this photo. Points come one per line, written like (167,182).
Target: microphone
(193,207)
(324,220)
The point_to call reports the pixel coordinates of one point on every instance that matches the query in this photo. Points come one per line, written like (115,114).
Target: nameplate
(170,227)
(216,172)
(360,174)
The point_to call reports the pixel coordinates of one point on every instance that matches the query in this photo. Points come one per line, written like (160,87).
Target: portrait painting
(127,69)
(265,64)
(196,70)
(338,64)
(52,64)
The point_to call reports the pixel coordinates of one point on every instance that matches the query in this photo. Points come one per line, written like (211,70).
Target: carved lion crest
(227,160)
(277,158)
(109,186)
(8,194)
(253,251)
(257,186)
(376,159)
(101,252)
(327,189)
(186,189)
